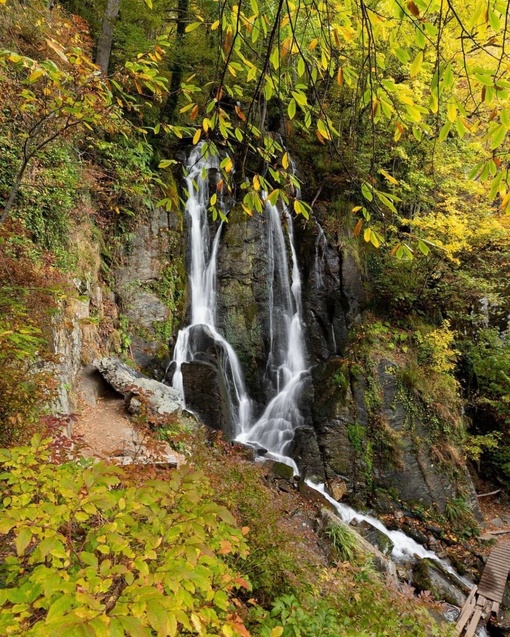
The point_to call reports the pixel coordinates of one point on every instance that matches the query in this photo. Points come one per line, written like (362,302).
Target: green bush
(279,561)
(89,551)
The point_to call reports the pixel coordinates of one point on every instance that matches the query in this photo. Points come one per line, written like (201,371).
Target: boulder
(138,389)
(305,451)
(375,537)
(337,488)
(282,470)
(429,575)
(314,496)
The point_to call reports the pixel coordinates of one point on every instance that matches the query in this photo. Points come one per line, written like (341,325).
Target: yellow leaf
(340,76)
(35,75)
(505,202)
(451,111)
(285,160)
(388,177)
(196,622)
(277,631)
(256,182)
(192,26)
(197,135)
(228,165)
(215,25)
(313,44)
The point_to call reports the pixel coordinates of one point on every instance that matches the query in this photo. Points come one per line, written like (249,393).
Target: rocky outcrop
(430,575)
(382,563)
(149,287)
(243,296)
(138,390)
(374,436)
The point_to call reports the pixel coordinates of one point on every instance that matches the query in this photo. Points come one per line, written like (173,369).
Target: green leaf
(299,97)
(22,540)
(384,199)
(445,129)
(6,524)
(423,247)
(158,617)
(497,136)
(291,108)
(402,55)
(60,607)
(366,191)
(134,627)
(191,27)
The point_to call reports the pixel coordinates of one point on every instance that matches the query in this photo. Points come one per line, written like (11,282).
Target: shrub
(88,550)
(343,541)
(279,561)
(29,287)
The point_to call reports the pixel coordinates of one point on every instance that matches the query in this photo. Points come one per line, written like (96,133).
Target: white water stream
(286,368)
(203,283)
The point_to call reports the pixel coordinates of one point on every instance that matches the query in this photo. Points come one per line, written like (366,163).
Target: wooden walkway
(484,600)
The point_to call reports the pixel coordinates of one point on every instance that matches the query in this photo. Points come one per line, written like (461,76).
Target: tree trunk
(14,191)
(104,45)
(168,110)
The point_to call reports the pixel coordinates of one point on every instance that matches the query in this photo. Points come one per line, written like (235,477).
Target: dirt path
(105,430)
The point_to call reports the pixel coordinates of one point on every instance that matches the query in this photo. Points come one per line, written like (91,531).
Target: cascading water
(203,284)
(286,367)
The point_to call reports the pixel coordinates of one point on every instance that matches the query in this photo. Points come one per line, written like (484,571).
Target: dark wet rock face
(356,425)
(367,437)
(206,381)
(333,291)
(429,575)
(148,287)
(242,315)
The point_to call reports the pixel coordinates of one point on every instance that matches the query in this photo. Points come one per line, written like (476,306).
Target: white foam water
(286,368)
(203,278)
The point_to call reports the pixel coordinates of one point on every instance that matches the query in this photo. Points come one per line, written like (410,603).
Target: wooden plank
(465,614)
(471,629)
(466,610)
(493,581)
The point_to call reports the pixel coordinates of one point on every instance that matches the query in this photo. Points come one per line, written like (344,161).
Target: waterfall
(286,368)
(203,284)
